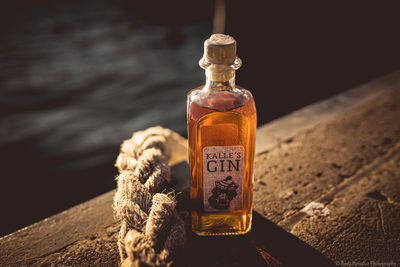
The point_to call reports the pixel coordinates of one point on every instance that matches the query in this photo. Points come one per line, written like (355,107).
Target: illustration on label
(222,178)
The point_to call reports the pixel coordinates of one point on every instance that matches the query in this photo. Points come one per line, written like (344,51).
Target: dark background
(78,77)
(299,52)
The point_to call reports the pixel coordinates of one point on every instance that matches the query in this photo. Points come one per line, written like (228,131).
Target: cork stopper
(220,49)
(219,57)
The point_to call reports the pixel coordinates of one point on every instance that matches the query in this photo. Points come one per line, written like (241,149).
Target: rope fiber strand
(151,229)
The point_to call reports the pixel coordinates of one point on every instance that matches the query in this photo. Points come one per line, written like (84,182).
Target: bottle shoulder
(220,100)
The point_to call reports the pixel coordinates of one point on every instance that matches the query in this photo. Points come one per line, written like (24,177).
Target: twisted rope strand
(151,229)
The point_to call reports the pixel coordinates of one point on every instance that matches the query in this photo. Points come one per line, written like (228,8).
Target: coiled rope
(151,230)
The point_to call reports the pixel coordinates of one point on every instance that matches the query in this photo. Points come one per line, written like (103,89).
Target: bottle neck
(220,79)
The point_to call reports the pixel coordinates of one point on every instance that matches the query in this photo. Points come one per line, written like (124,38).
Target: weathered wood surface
(337,186)
(328,174)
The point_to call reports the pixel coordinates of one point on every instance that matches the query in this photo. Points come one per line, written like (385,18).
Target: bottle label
(222,178)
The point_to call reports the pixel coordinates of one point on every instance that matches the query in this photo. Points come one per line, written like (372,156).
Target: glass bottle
(221,134)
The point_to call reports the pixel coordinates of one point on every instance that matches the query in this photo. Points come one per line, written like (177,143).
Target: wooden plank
(364,220)
(309,165)
(284,128)
(313,162)
(58,232)
(314,184)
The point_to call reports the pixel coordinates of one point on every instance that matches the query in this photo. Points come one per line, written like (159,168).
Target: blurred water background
(78,77)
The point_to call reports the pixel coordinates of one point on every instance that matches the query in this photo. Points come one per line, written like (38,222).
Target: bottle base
(216,233)
(221,224)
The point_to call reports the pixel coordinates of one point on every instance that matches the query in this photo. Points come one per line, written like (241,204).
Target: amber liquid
(230,117)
